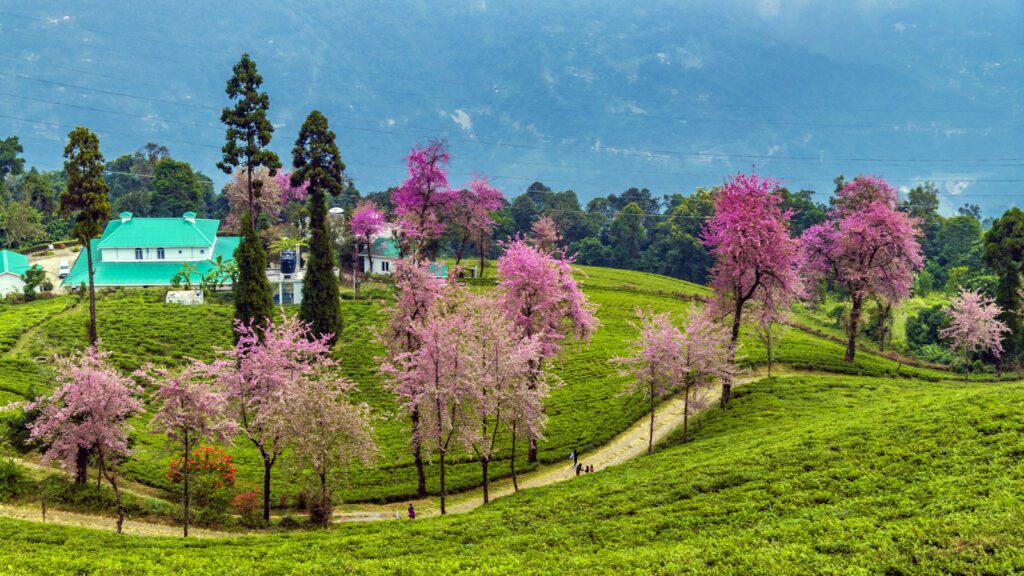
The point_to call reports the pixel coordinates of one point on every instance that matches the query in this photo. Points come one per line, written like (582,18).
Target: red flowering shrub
(249,503)
(211,476)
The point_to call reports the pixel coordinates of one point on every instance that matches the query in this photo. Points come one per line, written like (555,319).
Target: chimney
(125,216)
(189,217)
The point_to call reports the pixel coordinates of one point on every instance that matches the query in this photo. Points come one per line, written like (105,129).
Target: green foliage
(176,189)
(254,300)
(318,162)
(800,476)
(13,480)
(1004,251)
(922,329)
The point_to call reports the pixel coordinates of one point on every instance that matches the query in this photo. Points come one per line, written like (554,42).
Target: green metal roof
(157,232)
(146,273)
(385,248)
(13,262)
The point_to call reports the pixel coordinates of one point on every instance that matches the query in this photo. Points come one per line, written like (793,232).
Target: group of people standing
(579,466)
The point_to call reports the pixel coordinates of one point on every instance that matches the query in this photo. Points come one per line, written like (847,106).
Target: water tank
(288,259)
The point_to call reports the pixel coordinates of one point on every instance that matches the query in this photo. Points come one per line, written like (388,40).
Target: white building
(12,266)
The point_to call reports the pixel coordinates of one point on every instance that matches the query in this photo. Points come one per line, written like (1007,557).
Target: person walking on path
(579,468)
(575,456)
(412,512)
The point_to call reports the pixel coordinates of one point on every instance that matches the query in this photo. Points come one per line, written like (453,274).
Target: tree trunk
(686,410)
(461,249)
(82,465)
(117,491)
(443,511)
(481,249)
(483,465)
(768,347)
(93,336)
(737,317)
(325,505)
(851,329)
(532,454)
(512,461)
(417,456)
(267,463)
(650,437)
(185,501)
(357,265)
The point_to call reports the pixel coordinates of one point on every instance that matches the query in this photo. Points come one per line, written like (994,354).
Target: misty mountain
(596,96)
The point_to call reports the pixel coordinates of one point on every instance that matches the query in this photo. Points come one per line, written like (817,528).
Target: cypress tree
(246,140)
(317,161)
(86,198)
(1004,251)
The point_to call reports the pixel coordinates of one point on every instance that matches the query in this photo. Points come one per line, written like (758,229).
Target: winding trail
(629,444)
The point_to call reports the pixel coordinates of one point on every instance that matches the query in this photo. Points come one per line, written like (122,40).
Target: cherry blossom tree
(471,214)
(191,412)
(503,385)
(261,373)
(422,201)
(365,222)
(656,364)
(290,192)
(268,201)
(88,409)
(434,382)
(327,431)
(866,246)
(544,234)
(974,326)
(708,356)
(756,259)
(418,293)
(539,295)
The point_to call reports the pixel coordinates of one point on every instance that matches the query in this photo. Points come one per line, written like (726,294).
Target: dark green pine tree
(317,161)
(86,199)
(245,147)
(1004,252)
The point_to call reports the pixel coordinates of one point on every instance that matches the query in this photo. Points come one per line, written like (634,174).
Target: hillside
(803,475)
(588,408)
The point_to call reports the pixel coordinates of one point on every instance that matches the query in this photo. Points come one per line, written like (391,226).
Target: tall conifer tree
(245,147)
(317,161)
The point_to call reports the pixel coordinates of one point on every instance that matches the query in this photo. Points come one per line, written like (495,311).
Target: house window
(385,266)
(138,253)
(202,251)
(159,253)
(179,252)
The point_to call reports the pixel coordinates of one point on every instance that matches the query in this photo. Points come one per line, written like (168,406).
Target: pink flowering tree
(263,372)
(866,246)
(974,327)
(268,201)
(422,201)
(539,295)
(88,409)
(418,294)
(544,234)
(290,192)
(365,222)
(756,259)
(191,412)
(503,385)
(434,382)
(656,362)
(707,357)
(471,213)
(327,432)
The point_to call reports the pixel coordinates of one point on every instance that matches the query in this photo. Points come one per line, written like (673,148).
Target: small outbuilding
(12,266)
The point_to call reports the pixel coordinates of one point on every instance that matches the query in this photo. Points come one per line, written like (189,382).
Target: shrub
(211,477)
(288,523)
(13,480)
(249,503)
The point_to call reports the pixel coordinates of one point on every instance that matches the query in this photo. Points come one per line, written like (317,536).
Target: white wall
(171,254)
(378,265)
(10,283)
